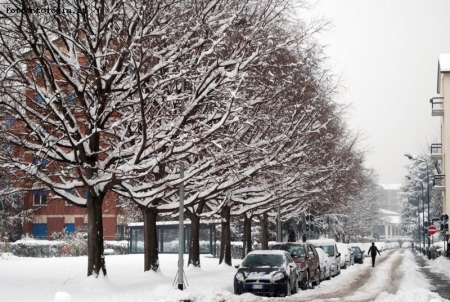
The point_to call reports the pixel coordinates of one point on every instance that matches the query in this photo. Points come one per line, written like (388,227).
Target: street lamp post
(421,234)
(428,193)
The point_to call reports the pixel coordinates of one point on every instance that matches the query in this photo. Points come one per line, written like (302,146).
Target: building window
(38,69)
(39,98)
(41,163)
(71,99)
(70,191)
(39,198)
(9,123)
(87,130)
(8,146)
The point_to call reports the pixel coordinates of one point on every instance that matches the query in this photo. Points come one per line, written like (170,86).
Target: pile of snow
(7,256)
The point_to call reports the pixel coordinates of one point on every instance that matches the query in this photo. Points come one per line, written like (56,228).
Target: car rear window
(293,250)
(356,250)
(329,249)
(257,260)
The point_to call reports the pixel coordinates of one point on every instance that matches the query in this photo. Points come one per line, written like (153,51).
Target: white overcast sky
(387,53)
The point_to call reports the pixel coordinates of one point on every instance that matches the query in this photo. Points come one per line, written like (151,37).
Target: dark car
(268,273)
(307,259)
(359,255)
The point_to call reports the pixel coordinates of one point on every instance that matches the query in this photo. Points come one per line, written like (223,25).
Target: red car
(307,260)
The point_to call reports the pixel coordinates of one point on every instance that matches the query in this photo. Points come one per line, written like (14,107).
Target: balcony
(439,183)
(436,151)
(437,106)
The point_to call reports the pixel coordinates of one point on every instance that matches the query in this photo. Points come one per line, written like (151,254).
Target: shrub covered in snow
(29,247)
(67,245)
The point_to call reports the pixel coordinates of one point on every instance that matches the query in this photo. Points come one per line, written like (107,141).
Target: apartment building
(390,201)
(52,214)
(439,105)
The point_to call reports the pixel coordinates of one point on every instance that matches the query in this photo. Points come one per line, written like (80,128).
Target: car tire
(295,289)
(305,283)
(345,265)
(317,282)
(288,288)
(329,276)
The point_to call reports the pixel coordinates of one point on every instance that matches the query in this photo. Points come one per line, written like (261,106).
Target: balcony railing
(436,151)
(439,182)
(437,106)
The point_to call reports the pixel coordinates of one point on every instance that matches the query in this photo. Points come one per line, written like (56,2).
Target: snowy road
(396,277)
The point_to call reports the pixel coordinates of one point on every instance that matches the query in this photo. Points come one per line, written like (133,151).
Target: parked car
(307,260)
(352,255)
(325,266)
(269,273)
(359,255)
(329,246)
(345,255)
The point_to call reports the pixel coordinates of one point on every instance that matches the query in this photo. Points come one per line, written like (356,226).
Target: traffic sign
(431,230)
(444,217)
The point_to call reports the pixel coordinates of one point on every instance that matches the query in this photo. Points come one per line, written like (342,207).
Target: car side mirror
(237,266)
(338,255)
(363,252)
(292,264)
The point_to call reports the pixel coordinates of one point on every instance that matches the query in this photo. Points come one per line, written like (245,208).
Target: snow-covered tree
(414,195)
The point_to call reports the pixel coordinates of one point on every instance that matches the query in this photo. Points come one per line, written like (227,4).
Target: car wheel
(295,289)
(305,283)
(317,283)
(345,265)
(329,275)
(288,288)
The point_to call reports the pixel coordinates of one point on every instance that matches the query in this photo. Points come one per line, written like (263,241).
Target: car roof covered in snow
(268,252)
(322,241)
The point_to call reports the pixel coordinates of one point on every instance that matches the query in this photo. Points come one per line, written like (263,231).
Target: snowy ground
(395,278)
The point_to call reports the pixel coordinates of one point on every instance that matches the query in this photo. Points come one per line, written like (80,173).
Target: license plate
(257,286)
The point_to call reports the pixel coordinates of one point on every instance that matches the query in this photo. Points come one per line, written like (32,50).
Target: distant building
(391,198)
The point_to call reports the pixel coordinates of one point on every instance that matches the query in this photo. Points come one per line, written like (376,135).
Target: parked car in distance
(345,255)
(359,255)
(268,273)
(329,246)
(352,255)
(325,266)
(307,260)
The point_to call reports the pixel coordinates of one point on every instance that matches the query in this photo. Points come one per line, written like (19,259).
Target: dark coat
(373,251)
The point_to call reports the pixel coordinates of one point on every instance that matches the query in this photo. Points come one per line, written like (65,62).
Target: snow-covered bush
(29,247)
(119,247)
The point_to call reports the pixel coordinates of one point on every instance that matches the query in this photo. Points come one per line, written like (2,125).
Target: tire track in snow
(360,288)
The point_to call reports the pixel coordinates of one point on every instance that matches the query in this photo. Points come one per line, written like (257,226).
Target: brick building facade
(53,214)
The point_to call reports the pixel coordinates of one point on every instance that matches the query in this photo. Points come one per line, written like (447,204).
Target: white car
(329,246)
(345,254)
(325,264)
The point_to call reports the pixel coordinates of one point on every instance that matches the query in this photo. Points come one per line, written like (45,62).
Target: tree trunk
(194,246)
(264,238)
(247,238)
(96,259)
(225,240)
(151,261)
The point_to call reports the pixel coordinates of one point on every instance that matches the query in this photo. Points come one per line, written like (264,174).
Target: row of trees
(234,89)
(414,195)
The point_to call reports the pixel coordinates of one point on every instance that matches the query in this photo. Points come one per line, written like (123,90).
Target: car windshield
(256,260)
(329,249)
(293,250)
(356,250)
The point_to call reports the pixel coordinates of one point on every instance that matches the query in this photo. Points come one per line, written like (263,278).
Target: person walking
(373,252)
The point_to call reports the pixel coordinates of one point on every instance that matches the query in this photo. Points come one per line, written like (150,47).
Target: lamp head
(409,156)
